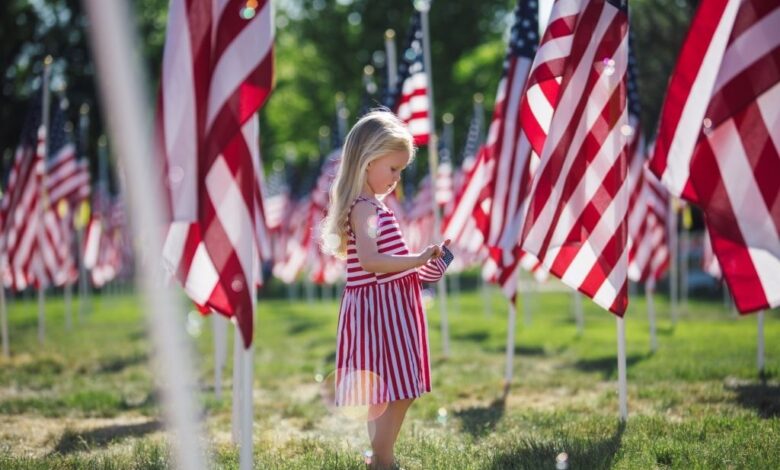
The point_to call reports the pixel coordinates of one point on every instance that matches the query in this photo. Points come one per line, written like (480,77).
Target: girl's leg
(383,431)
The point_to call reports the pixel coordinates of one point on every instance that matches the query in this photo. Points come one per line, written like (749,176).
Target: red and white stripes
(574,113)
(217,73)
(719,141)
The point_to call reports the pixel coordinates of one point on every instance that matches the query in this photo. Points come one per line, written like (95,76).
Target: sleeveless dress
(382,349)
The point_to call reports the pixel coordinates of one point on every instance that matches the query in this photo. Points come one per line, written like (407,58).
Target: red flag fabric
(719,139)
(217,72)
(574,113)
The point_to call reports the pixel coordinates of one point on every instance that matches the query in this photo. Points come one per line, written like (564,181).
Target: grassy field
(87,399)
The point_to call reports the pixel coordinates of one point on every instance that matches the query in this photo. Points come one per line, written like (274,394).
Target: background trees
(321,49)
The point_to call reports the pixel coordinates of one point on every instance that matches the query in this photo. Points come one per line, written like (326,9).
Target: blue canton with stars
(524,39)
(634,106)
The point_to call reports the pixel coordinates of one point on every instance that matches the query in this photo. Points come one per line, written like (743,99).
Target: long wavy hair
(375,135)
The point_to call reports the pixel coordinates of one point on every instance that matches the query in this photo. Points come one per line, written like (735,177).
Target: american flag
(411,103)
(444,178)
(719,139)
(67,183)
(21,202)
(495,194)
(67,177)
(33,245)
(98,239)
(509,148)
(277,200)
(325,269)
(460,225)
(648,247)
(217,72)
(574,113)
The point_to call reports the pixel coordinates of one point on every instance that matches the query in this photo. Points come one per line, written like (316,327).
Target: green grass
(86,398)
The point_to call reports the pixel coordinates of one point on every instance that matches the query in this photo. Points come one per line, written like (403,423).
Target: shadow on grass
(116,364)
(607,366)
(580,453)
(522,350)
(302,325)
(762,397)
(474,336)
(74,441)
(665,330)
(480,420)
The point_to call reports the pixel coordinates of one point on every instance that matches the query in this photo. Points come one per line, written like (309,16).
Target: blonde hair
(375,135)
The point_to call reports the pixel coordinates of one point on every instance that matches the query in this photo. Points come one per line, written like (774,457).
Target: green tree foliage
(321,49)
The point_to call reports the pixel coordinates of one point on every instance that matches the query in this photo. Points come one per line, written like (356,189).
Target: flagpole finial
(422,5)
(48,60)
(389,34)
(479,98)
(447,118)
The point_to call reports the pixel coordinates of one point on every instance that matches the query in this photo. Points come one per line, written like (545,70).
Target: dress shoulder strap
(373,203)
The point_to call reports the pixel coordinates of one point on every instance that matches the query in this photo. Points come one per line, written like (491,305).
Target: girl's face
(384,173)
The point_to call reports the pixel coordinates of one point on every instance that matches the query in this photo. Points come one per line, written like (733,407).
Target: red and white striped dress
(382,353)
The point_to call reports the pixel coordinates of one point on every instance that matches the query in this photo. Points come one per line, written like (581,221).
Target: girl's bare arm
(368,254)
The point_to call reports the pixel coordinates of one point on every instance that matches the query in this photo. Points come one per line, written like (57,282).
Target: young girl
(382,357)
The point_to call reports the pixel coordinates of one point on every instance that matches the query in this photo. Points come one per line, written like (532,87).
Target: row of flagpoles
(55,230)
(561,185)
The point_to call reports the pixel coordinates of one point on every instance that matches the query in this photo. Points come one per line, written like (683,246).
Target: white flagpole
(342,113)
(120,76)
(424,6)
(622,387)
(760,348)
(41,315)
(510,346)
(245,457)
(237,385)
(674,259)
(447,135)
(68,292)
(46,99)
(219,325)
(4,321)
(527,303)
(685,247)
(392,61)
(649,293)
(84,294)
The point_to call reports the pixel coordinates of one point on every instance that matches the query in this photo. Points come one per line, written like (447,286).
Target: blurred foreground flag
(719,136)
(575,115)
(217,72)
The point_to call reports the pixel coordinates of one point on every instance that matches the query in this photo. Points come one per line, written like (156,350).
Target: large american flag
(217,72)
(719,139)
(508,146)
(411,101)
(574,113)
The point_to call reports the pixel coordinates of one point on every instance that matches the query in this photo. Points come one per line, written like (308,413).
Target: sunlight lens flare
(346,391)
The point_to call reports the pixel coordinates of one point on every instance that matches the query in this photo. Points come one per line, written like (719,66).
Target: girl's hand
(433,252)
